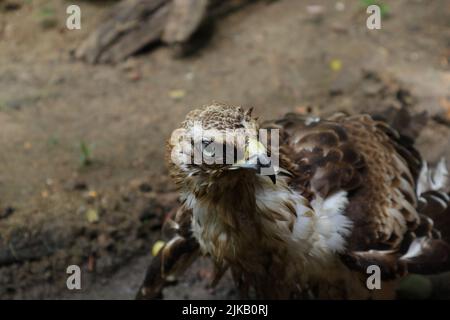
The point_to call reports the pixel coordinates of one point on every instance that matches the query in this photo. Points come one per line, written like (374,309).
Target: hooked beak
(255,163)
(255,158)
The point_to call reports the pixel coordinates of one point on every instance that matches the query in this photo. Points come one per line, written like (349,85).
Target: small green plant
(47,17)
(53,141)
(47,12)
(85,154)
(384,8)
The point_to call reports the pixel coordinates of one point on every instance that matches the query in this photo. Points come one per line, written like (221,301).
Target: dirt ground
(57,114)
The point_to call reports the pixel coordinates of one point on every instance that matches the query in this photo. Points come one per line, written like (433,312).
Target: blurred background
(83,123)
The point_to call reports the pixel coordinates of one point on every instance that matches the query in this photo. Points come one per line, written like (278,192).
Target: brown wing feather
(384,208)
(388,261)
(356,154)
(430,252)
(379,168)
(320,154)
(428,256)
(435,206)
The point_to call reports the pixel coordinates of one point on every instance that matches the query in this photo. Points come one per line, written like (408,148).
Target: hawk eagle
(349,192)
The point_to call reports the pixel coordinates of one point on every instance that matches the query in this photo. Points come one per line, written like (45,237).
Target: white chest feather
(320,228)
(318,232)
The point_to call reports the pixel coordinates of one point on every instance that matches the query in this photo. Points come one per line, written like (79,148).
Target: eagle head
(218,145)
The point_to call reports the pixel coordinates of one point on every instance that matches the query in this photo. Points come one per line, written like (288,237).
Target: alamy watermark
(374,20)
(73,21)
(73,281)
(239,148)
(374,280)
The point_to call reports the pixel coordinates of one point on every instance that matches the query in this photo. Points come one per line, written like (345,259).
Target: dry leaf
(177,94)
(27,145)
(92,194)
(157,246)
(92,216)
(336,65)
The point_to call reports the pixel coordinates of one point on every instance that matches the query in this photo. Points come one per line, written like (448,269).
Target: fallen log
(133,25)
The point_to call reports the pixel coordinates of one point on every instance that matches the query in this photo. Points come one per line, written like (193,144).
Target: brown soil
(276,56)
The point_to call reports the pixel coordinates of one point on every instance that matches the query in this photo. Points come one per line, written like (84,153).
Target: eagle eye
(208,148)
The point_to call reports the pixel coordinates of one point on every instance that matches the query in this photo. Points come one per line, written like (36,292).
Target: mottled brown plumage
(342,154)
(345,198)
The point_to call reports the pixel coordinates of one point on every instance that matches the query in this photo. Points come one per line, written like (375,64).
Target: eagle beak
(255,158)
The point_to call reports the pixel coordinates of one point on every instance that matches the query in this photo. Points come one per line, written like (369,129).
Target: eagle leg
(172,260)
